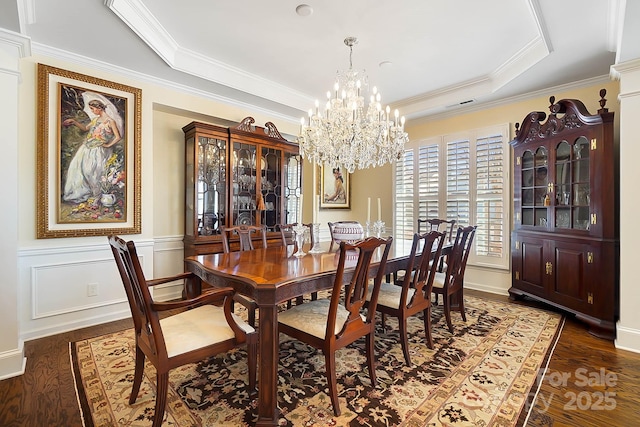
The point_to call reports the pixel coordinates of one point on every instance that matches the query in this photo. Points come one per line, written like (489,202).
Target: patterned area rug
(482,375)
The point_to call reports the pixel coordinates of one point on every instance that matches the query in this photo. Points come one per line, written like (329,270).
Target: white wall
(12,48)
(629,324)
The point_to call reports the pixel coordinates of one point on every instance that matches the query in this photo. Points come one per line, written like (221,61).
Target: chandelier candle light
(347,133)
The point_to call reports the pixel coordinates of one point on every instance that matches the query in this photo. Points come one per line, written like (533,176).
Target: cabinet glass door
(535,195)
(271,187)
(244,177)
(572,185)
(211,184)
(293,188)
(581,184)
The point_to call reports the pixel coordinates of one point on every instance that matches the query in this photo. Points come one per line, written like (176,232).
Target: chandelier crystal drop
(347,133)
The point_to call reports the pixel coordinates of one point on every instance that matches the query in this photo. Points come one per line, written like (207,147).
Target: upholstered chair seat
(311,317)
(390,294)
(439,280)
(197,328)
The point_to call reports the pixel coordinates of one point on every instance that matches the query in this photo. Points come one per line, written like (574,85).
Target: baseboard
(627,339)
(486,288)
(12,363)
(79,324)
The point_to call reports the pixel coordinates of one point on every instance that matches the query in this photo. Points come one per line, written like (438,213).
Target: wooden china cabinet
(566,234)
(245,174)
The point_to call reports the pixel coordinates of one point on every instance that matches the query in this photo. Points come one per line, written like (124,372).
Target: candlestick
(379,210)
(368,209)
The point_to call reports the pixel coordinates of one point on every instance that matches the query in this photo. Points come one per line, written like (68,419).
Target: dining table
(272,276)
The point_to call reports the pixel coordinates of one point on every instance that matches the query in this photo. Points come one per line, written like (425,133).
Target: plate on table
(244,218)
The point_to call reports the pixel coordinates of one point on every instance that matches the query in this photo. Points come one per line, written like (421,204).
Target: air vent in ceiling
(469,101)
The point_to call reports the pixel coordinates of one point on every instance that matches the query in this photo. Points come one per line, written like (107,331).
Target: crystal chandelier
(349,134)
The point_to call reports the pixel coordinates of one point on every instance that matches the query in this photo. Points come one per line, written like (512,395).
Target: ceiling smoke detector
(304,10)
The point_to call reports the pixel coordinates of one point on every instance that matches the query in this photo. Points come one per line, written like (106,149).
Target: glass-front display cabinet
(566,234)
(245,174)
(556,195)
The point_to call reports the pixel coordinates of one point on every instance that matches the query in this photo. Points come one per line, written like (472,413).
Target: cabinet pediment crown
(564,115)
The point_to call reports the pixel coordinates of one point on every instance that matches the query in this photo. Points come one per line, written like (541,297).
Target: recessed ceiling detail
(487,52)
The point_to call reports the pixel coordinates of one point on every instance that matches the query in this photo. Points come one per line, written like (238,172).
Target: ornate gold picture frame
(88,155)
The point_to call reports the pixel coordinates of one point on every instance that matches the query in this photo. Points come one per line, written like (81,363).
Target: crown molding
(88,62)
(511,100)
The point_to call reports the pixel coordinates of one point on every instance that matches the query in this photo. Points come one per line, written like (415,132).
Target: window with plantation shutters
(490,189)
(458,181)
(428,181)
(404,199)
(462,177)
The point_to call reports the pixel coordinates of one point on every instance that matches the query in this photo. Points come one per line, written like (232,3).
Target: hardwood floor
(589,382)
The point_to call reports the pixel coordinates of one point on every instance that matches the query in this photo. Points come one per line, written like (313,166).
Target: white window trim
(503,262)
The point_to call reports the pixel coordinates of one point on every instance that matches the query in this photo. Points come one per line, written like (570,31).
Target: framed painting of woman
(88,155)
(334,188)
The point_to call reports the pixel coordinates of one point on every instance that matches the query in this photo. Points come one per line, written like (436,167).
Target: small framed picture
(334,188)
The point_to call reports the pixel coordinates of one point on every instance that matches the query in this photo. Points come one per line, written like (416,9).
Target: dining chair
(189,331)
(414,295)
(436,224)
(450,283)
(331,324)
(287,235)
(245,235)
(426,225)
(442,225)
(288,238)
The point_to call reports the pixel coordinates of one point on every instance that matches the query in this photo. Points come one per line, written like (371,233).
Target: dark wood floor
(589,382)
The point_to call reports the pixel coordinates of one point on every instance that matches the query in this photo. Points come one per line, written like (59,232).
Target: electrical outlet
(92,289)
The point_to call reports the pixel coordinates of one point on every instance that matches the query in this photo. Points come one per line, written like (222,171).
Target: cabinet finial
(603,102)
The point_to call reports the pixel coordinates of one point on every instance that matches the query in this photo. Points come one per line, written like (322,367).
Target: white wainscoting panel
(75,278)
(168,255)
(53,295)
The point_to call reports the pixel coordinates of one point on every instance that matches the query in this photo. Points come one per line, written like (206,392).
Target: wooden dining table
(272,276)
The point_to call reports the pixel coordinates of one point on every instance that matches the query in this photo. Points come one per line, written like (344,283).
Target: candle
(379,210)
(300,211)
(369,210)
(315,210)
